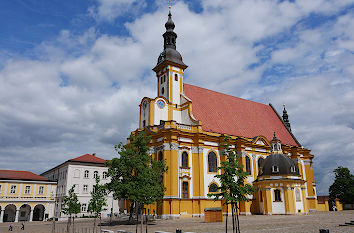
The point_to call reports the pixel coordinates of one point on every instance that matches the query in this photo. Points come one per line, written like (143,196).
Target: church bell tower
(170,67)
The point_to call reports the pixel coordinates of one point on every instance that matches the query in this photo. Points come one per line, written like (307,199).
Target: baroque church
(187,125)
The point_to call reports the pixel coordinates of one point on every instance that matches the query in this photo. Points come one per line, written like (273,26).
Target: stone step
(122,231)
(106,231)
(349,223)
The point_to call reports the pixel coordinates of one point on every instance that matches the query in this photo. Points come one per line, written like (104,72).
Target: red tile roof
(20,175)
(231,115)
(88,158)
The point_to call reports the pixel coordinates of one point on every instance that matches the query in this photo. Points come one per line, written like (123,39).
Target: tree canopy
(233,189)
(136,176)
(71,204)
(343,185)
(98,198)
(232,178)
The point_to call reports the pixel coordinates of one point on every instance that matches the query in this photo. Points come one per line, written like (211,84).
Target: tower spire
(286,118)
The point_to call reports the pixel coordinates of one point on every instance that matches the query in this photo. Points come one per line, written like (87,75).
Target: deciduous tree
(97,201)
(71,207)
(135,175)
(233,189)
(343,186)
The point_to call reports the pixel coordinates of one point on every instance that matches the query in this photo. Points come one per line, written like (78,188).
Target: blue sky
(72,73)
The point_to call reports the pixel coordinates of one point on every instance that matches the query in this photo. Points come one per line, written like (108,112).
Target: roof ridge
(227,94)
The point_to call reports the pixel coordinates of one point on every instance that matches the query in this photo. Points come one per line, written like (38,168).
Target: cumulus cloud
(80,93)
(108,10)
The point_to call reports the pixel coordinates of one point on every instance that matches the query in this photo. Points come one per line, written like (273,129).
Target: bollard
(324,230)
(178,231)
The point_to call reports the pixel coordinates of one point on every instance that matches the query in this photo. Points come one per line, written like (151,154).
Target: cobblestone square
(310,223)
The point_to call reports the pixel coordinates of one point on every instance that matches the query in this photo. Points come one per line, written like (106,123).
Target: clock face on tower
(161,104)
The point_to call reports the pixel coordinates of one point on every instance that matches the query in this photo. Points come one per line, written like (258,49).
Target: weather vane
(169,4)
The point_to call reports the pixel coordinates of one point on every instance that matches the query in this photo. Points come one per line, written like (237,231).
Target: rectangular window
(13,189)
(185,193)
(0,188)
(85,189)
(27,189)
(41,190)
(104,176)
(83,207)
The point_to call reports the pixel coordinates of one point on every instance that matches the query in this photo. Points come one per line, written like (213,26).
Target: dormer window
(293,169)
(275,169)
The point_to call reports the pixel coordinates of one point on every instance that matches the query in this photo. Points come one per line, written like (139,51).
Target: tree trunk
(68,225)
(100,222)
(227,215)
(94,225)
(74,224)
(142,218)
(131,209)
(233,217)
(237,219)
(137,217)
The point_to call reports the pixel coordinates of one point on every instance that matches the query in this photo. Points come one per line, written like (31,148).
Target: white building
(81,172)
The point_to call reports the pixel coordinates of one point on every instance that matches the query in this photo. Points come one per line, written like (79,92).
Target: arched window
(76,173)
(213,188)
(104,175)
(160,156)
(260,196)
(260,165)
(212,162)
(86,174)
(297,194)
(163,90)
(277,196)
(95,174)
(185,159)
(176,77)
(248,165)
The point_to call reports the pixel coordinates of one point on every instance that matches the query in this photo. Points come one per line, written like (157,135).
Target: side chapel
(187,125)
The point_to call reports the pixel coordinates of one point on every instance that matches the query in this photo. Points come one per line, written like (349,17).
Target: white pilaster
(2,215)
(31,215)
(17,215)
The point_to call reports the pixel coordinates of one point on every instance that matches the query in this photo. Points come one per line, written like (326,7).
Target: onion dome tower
(170,66)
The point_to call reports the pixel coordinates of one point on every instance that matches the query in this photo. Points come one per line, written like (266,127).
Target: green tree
(233,189)
(71,207)
(343,186)
(97,201)
(135,175)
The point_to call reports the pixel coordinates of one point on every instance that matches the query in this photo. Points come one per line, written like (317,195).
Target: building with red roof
(187,125)
(25,196)
(80,172)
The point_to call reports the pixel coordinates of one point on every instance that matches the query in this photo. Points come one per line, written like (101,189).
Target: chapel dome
(279,164)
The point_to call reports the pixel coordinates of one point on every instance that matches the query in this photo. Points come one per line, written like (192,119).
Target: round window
(161,104)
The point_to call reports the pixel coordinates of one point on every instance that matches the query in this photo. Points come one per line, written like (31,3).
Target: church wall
(160,113)
(298,204)
(209,177)
(277,207)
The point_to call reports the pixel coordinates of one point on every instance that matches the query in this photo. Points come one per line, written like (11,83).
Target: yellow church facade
(187,125)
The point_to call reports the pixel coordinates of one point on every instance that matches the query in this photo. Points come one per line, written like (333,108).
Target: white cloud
(108,10)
